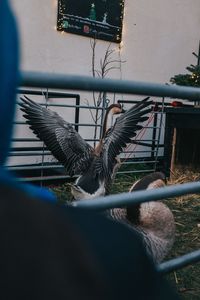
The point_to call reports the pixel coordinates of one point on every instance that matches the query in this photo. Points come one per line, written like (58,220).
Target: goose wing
(125,128)
(59,136)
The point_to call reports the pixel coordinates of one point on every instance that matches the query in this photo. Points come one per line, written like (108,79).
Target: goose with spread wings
(95,166)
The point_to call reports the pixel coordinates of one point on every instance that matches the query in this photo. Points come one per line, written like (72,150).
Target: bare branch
(98,73)
(107,63)
(93,46)
(109,69)
(91,113)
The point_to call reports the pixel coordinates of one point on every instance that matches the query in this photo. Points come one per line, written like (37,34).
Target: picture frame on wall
(101,19)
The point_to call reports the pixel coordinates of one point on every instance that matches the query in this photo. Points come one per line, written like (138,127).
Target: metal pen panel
(83,83)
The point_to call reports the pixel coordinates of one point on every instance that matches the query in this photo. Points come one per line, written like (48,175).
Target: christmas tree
(92,15)
(190,79)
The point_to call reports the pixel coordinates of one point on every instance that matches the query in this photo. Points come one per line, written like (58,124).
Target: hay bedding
(186,210)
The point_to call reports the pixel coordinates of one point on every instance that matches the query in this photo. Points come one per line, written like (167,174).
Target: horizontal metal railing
(126,199)
(179,262)
(85,83)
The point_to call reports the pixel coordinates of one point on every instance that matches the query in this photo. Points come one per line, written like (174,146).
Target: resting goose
(94,165)
(153,220)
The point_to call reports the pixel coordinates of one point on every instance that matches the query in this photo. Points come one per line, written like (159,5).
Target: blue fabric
(9,52)
(33,191)
(8,76)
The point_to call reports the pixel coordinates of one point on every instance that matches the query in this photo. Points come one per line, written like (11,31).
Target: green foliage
(191,79)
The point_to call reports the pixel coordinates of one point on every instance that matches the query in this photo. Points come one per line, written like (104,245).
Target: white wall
(158,39)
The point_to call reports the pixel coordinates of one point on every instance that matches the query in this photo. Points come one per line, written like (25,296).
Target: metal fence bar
(38,140)
(45,93)
(75,124)
(27,153)
(156,146)
(125,199)
(67,105)
(86,83)
(25,140)
(147,144)
(179,262)
(34,167)
(44,178)
(139,151)
(32,153)
(82,124)
(136,162)
(136,171)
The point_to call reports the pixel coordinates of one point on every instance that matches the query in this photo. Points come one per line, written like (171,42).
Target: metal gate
(32,161)
(36,80)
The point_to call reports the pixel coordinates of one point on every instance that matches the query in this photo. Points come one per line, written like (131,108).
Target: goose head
(116,109)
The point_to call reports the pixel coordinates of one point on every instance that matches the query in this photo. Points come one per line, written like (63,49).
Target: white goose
(94,165)
(153,220)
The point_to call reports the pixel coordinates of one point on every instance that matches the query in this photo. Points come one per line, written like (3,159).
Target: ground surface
(186,210)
